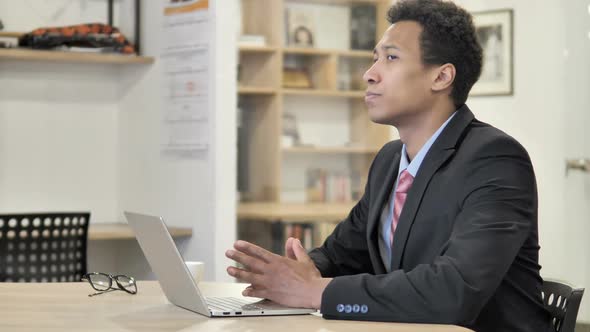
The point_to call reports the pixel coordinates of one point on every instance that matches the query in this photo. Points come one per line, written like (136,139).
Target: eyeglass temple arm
(102,292)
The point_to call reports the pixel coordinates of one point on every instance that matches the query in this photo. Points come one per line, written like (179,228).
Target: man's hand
(292,280)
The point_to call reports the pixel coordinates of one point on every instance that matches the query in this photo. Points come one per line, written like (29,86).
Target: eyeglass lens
(100,282)
(127,283)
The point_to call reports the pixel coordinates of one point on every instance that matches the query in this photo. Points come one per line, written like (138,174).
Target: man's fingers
(289,248)
(255,292)
(250,263)
(246,276)
(251,287)
(254,251)
(300,252)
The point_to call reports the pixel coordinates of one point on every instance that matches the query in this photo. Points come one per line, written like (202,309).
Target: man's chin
(379,118)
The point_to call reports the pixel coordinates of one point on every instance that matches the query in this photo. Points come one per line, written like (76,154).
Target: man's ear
(444,76)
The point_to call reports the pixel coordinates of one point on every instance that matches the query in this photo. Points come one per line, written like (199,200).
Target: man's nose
(370,75)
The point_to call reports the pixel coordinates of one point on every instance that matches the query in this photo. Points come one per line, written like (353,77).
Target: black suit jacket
(465,250)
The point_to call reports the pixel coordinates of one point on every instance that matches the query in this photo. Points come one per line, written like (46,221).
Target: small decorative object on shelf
(296,78)
(290,132)
(96,37)
(301,27)
(296,72)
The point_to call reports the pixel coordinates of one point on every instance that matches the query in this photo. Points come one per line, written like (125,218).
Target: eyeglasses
(103,283)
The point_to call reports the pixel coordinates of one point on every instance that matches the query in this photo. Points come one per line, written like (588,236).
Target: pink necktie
(401,192)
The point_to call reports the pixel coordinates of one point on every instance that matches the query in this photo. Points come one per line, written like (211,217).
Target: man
(446,231)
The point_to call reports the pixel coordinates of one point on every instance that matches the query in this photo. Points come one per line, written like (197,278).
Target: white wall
(58,122)
(198,193)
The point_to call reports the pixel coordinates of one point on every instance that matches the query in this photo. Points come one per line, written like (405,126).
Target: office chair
(43,247)
(563,302)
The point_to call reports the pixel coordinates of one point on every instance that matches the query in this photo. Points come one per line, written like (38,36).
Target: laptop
(178,284)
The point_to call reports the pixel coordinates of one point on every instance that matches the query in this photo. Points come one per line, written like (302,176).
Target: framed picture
(300,27)
(494,31)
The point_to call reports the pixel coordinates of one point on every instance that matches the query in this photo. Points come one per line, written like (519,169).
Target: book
(252,40)
(333,187)
(363,27)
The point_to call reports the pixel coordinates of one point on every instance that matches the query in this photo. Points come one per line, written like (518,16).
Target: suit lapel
(442,149)
(382,194)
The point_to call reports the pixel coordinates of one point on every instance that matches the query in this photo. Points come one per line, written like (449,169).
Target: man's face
(399,85)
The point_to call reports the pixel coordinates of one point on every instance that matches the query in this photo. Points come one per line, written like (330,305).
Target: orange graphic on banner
(199,5)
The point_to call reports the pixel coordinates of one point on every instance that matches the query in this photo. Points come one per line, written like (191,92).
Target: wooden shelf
(292,212)
(258,49)
(331,150)
(324,93)
(356,54)
(307,51)
(121,231)
(336,2)
(248,90)
(77,57)
(11,34)
(327,52)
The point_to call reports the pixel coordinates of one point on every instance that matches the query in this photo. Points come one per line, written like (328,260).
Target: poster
(185,62)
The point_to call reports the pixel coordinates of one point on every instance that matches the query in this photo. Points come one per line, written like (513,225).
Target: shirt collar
(413,166)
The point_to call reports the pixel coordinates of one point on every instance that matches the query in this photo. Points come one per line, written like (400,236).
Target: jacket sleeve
(498,208)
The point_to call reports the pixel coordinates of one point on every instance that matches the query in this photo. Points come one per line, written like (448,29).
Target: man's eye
(391,57)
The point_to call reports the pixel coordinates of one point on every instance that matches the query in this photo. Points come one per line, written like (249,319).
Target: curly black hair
(448,36)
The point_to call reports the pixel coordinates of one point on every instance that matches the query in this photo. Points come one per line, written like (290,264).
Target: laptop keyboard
(231,304)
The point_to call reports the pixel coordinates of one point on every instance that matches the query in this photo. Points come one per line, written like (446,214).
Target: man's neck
(416,131)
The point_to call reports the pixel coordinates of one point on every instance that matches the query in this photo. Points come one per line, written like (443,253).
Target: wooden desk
(121,231)
(66,307)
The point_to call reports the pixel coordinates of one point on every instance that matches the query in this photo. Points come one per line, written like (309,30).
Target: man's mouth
(371,96)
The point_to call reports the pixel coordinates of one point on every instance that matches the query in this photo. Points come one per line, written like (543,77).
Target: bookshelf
(335,136)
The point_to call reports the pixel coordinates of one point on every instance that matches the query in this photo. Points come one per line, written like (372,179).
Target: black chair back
(563,303)
(43,247)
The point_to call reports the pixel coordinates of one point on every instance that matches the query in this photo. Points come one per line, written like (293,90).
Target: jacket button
(348,308)
(364,309)
(340,308)
(356,308)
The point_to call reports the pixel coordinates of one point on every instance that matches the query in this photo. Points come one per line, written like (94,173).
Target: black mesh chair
(563,303)
(43,247)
